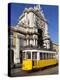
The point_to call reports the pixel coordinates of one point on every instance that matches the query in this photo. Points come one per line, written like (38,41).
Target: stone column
(17,51)
(34,42)
(31,19)
(48,44)
(27,42)
(46,29)
(46,37)
(26,18)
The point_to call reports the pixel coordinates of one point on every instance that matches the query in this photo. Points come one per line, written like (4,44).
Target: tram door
(34,59)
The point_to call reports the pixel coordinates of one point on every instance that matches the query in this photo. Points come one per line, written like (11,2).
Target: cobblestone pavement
(45,71)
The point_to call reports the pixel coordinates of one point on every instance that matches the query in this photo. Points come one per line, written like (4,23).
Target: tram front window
(23,55)
(28,55)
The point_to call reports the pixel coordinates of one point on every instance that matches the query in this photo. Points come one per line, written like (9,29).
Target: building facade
(30,31)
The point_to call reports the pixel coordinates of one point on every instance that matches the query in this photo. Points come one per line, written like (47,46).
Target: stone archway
(40,38)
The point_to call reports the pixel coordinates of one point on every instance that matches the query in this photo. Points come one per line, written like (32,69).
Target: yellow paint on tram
(44,63)
(35,59)
(27,64)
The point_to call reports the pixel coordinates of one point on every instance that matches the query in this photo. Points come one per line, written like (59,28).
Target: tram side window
(48,55)
(51,55)
(44,55)
(41,56)
(34,55)
(28,55)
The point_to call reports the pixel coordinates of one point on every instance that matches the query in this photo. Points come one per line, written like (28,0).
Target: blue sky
(51,13)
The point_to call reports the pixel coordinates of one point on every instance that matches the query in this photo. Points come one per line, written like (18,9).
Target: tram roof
(34,48)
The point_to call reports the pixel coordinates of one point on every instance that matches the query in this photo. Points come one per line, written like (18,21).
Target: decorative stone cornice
(35,11)
(16,29)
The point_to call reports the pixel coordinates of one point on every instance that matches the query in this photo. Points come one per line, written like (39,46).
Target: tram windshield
(28,55)
(23,55)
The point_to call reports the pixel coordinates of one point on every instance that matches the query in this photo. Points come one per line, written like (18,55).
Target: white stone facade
(31,30)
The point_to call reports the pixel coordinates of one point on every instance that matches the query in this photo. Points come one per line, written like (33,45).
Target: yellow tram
(34,59)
